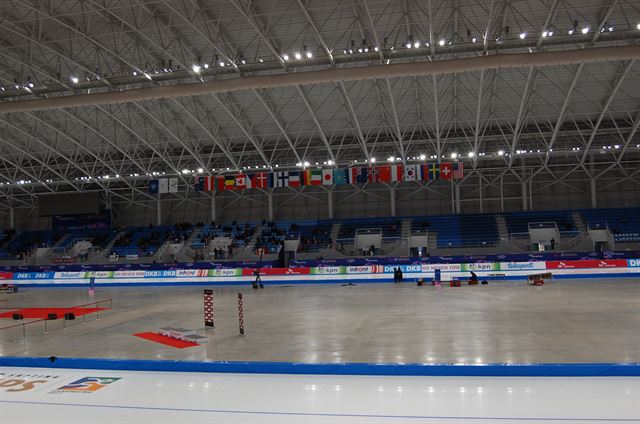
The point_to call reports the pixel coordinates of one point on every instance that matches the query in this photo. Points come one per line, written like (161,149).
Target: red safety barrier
(588,263)
(249,272)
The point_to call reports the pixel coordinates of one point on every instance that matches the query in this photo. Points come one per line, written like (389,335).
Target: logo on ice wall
(86,385)
(634,263)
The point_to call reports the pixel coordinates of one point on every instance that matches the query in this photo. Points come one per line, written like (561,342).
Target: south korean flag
(410,173)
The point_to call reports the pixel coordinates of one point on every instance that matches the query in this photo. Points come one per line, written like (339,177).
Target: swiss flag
(446,171)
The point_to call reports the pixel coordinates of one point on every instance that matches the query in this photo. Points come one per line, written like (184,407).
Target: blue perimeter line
(320,414)
(434,370)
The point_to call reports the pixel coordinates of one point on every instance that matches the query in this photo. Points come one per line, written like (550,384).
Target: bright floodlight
(500,152)
(74,80)
(471,154)
(391,159)
(185,171)
(285,57)
(200,170)
(423,156)
(638,26)
(585,30)
(454,155)
(297,55)
(416,44)
(309,55)
(329,162)
(196,68)
(408,45)
(474,39)
(441,42)
(306,164)
(523,35)
(373,160)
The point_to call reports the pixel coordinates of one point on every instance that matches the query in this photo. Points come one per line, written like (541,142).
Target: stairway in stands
(502,227)
(580,224)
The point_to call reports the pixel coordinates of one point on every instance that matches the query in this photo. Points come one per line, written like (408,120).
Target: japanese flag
(327,177)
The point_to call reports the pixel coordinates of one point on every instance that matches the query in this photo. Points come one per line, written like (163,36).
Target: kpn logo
(87,385)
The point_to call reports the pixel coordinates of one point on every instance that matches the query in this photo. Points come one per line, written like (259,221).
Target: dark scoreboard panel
(68,204)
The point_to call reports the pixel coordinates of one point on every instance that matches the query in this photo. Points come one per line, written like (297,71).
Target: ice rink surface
(72,396)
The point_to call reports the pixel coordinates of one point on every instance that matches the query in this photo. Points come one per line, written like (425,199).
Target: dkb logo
(634,262)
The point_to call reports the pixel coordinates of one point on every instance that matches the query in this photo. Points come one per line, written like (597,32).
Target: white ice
(249,398)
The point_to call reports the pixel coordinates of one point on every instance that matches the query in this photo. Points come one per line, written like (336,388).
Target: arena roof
(282,82)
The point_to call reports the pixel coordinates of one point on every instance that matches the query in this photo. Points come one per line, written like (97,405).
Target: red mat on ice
(44,312)
(169,341)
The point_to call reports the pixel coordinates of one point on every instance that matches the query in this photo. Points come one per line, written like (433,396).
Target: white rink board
(139,397)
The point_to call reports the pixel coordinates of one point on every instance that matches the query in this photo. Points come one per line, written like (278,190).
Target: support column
(457,191)
(453,199)
(270,200)
(531,193)
(502,193)
(594,198)
(480,191)
(330,202)
(158,210)
(213,207)
(392,199)
(525,197)
(12,219)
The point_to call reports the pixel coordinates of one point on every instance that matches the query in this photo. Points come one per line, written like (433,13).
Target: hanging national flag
(327,176)
(384,174)
(229,182)
(446,171)
(373,174)
(154,186)
(424,172)
(340,176)
(313,177)
(198,184)
(281,179)
(173,185)
(294,179)
(358,175)
(410,173)
(219,183)
(241,182)
(261,180)
(397,172)
(163,185)
(434,171)
(458,170)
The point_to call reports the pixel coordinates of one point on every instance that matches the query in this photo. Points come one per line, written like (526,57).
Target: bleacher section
(99,238)
(314,235)
(240,234)
(146,241)
(390,228)
(477,230)
(26,241)
(623,223)
(518,222)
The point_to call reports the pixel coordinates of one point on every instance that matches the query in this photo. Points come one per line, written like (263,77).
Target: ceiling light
(454,155)
(391,159)
(74,80)
(408,45)
(30,84)
(571,32)
(261,60)
(200,170)
(585,30)
(474,39)
(617,146)
(638,26)
(423,156)
(196,68)
(297,55)
(243,61)
(135,73)
(329,162)
(147,76)
(185,171)
(471,154)
(285,57)
(375,49)
(373,160)
(416,44)
(500,152)
(206,66)
(441,42)
(222,63)
(309,54)
(306,164)
(523,35)
(545,33)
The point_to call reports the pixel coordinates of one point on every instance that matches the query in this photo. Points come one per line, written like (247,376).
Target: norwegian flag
(458,170)
(373,175)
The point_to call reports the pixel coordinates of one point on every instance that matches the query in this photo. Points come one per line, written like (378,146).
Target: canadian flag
(327,177)
(241,181)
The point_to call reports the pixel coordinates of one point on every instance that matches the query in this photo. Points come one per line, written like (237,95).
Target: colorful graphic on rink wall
(328,272)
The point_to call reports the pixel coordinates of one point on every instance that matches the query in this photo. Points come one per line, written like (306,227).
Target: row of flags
(327,177)
(163,185)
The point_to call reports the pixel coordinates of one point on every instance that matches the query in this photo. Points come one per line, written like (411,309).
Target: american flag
(458,170)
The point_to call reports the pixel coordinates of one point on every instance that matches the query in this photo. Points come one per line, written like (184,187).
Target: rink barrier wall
(331,274)
(443,370)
